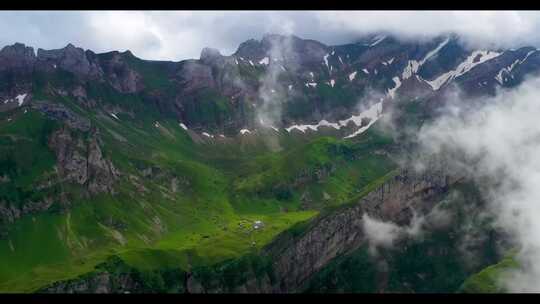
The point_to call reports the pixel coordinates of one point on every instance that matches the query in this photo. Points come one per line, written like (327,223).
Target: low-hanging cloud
(178,35)
(497,144)
(381,234)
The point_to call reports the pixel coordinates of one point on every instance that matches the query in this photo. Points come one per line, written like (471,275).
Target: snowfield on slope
(374,112)
(462,68)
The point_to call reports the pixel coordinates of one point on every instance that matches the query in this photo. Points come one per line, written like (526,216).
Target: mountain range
(253,172)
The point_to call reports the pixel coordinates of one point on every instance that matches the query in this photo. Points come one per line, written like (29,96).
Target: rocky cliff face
(71,59)
(342,232)
(103,282)
(81,161)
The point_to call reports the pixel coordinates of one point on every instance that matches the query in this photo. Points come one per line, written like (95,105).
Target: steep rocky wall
(341,232)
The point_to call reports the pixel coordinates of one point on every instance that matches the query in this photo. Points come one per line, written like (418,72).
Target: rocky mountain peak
(128,53)
(16,55)
(19,49)
(209,54)
(70,58)
(250,49)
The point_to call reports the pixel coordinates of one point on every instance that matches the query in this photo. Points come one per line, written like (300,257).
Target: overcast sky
(182,34)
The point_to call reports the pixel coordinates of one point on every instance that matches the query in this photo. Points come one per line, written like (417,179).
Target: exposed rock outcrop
(81,161)
(72,59)
(60,113)
(17,56)
(103,282)
(10,212)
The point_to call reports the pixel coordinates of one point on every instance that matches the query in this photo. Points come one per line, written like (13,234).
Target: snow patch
(413,65)
(352,76)
(325,58)
(508,70)
(20,98)
(304,128)
(332,82)
(265,61)
(207,135)
(378,40)
(251,62)
(114,115)
(311,84)
(374,113)
(183,126)
(357,119)
(244,131)
(365,71)
(463,68)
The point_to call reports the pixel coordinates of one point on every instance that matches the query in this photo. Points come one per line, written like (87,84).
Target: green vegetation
(209,108)
(24,156)
(206,218)
(489,279)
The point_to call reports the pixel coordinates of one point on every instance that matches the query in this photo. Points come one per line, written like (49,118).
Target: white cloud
(380,233)
(498,144)
(384,234)
(177,35)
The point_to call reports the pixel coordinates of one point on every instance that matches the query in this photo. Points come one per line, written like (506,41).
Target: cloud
(497,143)
(479,28)
(178,35)
(382,234)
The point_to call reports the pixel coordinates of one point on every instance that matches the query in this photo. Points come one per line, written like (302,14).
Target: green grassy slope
(488,280)
(223,188)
